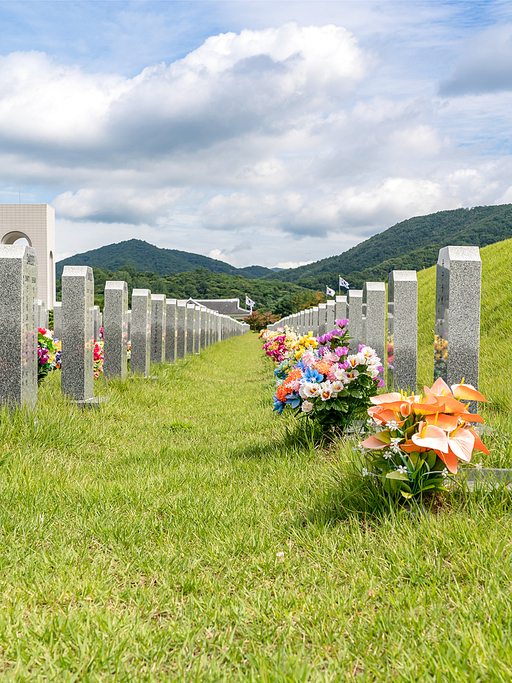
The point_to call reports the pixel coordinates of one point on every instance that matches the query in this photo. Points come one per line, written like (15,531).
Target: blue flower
(293,400)
(312,375)
(278,405)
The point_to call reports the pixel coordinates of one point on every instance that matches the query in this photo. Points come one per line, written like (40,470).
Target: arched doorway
(16,237)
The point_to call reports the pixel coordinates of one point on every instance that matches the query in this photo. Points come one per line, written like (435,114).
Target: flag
(249,302)
(330,292)
(344,283)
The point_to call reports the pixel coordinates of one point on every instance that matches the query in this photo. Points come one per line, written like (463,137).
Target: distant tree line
(273,296)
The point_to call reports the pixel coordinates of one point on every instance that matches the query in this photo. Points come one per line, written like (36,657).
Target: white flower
(387,455)
(337,385)
(395,444)
(356,359)
(326,390)
(351,375)
(392,426)
(365,472)
(307,406)
(478,465)
(445,473)
(310,389)
(401,469)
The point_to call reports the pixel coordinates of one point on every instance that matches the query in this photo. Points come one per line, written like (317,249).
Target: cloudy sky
(271,133)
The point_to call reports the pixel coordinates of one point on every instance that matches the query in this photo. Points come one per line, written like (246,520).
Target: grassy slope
(141,543)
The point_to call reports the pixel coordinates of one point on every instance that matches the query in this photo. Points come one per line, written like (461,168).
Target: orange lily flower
(430,437)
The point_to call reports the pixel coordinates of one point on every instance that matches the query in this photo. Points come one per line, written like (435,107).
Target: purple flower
(381,383)
(341,323)
(341,350)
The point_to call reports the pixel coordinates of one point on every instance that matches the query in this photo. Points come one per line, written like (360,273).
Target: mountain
(279,297)
(146,257)
(412,244)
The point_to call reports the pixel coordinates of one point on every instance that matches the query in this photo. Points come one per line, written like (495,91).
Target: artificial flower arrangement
(48,353)
(328,384)
(422,438)
(98,356)
(278,344)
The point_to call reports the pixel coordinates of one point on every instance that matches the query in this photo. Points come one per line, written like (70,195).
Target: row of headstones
(162,329)
(457,322)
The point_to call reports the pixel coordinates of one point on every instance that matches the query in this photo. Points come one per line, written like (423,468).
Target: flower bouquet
(98,356)
(48,353)
(328,384)
(422,438)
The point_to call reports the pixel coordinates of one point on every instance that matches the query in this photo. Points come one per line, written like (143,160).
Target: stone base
(487,478)
(93,403)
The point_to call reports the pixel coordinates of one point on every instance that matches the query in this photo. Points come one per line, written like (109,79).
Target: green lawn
(180,534)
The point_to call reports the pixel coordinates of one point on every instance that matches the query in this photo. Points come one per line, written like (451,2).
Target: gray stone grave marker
(402,342)
(330,315)
(341,308)
(115,330)
(181,331)
(322,320)
(457,330)
(77,380)
(191,324)
(355,319)
(198,330)
(18,352)
(57,320)
(374,296)
(141,332)
(158,328)
(171,329)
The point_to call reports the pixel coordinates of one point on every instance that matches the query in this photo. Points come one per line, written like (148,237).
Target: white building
(36,224)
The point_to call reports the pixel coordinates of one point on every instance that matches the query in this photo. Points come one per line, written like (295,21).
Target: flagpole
(339,286)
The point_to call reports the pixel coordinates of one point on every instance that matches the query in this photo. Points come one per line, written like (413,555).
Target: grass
(183,533)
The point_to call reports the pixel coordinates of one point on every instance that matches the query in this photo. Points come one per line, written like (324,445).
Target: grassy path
(176,535)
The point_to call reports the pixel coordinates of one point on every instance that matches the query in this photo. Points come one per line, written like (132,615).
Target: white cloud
(485,65)
(292,264)
(266,144)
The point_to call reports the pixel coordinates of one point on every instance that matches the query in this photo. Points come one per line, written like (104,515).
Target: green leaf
(431,457)
(405,494)
(397,475)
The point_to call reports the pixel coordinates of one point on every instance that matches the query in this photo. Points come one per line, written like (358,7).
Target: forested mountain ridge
(412,244)
(146,257)
(281,298)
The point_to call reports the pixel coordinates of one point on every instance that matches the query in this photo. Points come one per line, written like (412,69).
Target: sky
(271,133)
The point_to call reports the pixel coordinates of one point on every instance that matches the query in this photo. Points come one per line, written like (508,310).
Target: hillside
(411,244)
(146,257)
(268,295)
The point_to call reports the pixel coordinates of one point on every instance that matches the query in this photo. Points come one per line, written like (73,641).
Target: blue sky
(270,133)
